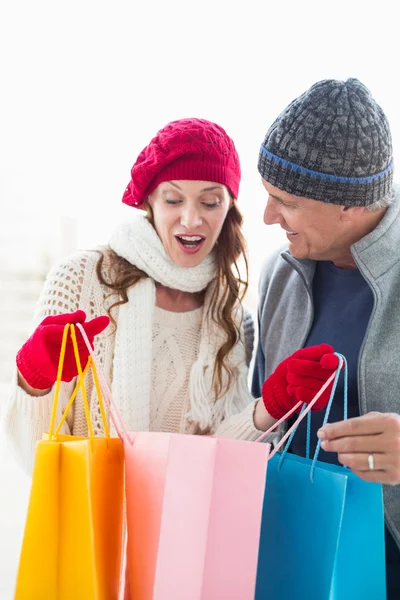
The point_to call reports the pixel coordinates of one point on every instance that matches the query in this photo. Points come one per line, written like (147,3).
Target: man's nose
(272,214)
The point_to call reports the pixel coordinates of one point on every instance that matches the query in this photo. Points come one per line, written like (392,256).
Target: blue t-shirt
(343,303)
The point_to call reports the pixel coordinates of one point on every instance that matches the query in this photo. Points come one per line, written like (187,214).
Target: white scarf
(138,242)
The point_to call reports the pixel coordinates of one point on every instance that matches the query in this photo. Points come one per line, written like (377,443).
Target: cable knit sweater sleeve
(241,426)
(72,285)
(27,418)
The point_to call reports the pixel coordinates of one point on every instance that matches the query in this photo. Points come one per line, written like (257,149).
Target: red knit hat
(191,149)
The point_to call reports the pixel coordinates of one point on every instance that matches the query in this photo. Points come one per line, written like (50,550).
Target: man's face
(314,229)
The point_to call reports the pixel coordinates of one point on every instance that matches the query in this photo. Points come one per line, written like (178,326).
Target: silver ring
(371,462)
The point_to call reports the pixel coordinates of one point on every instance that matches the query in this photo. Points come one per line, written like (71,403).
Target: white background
(84,86)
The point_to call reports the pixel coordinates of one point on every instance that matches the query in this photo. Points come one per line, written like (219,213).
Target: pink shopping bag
(194,507)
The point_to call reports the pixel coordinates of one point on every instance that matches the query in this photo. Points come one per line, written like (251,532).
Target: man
(326,164)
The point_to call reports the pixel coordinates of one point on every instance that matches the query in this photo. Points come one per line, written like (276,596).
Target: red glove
(300,377)
(37,361)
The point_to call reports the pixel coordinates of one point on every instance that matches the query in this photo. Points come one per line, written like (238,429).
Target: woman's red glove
(37,361)
(300,377)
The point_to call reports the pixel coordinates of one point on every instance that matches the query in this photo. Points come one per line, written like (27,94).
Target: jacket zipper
(309,294)
(360,391)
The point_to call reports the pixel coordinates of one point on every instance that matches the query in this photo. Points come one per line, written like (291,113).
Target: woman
(179,343)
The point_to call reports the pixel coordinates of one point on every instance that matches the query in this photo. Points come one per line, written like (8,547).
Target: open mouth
(190,243)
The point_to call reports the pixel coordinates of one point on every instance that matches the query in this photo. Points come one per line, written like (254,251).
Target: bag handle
(113,410)
(305,410)
(342,362)
(303,413)
(53,432)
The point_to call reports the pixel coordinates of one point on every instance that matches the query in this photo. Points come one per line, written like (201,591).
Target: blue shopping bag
(322,533)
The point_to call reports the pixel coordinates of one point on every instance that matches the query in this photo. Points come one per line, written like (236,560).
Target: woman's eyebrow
(210,189)
(175,185)
(207,189)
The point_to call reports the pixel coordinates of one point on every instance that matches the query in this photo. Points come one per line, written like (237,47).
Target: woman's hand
(37,360)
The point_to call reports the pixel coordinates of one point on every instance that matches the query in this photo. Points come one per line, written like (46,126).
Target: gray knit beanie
(332,143)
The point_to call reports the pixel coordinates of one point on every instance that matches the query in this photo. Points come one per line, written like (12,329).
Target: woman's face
(188,217)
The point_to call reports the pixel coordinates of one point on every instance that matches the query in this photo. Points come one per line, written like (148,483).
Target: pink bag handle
(113,410)
(105,390)
(299,419)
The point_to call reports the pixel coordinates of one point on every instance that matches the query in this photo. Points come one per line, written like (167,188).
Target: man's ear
(349,213)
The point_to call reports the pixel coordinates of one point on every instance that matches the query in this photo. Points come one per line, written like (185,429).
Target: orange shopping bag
(71,548)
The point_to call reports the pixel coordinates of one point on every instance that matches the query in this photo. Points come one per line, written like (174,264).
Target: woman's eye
(171,201)
(211,202)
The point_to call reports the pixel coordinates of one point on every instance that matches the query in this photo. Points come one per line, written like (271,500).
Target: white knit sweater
(73,285)
(175,346)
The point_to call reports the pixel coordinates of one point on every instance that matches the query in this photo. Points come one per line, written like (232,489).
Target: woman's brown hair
(230,286)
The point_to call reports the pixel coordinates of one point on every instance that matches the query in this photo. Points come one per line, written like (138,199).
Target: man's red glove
(37,361)
(300,377)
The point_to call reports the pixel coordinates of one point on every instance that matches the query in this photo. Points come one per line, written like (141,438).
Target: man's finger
(307,368)
(359,462)
(308,382)
(313,352)
(361,443)
(374,476)
(330,361)
(369,424)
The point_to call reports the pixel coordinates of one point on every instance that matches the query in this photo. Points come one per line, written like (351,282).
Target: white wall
(84,85)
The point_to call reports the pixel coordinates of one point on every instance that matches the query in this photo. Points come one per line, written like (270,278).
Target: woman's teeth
(190,241)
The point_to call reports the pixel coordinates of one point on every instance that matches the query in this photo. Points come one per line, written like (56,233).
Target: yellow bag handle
(70,328)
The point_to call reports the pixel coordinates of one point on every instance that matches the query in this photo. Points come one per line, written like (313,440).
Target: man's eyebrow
(291,202)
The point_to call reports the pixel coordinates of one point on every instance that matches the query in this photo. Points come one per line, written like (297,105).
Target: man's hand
(355,440)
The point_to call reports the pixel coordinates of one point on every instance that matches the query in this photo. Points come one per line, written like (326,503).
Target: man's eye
(285,205)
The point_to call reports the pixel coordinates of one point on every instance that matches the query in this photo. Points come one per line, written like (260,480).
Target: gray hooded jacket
(286,316)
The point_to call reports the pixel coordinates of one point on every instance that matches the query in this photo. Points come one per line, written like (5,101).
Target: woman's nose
(190,218)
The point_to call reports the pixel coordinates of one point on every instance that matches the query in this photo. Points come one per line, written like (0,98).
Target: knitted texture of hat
(332,143)
(188,149)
